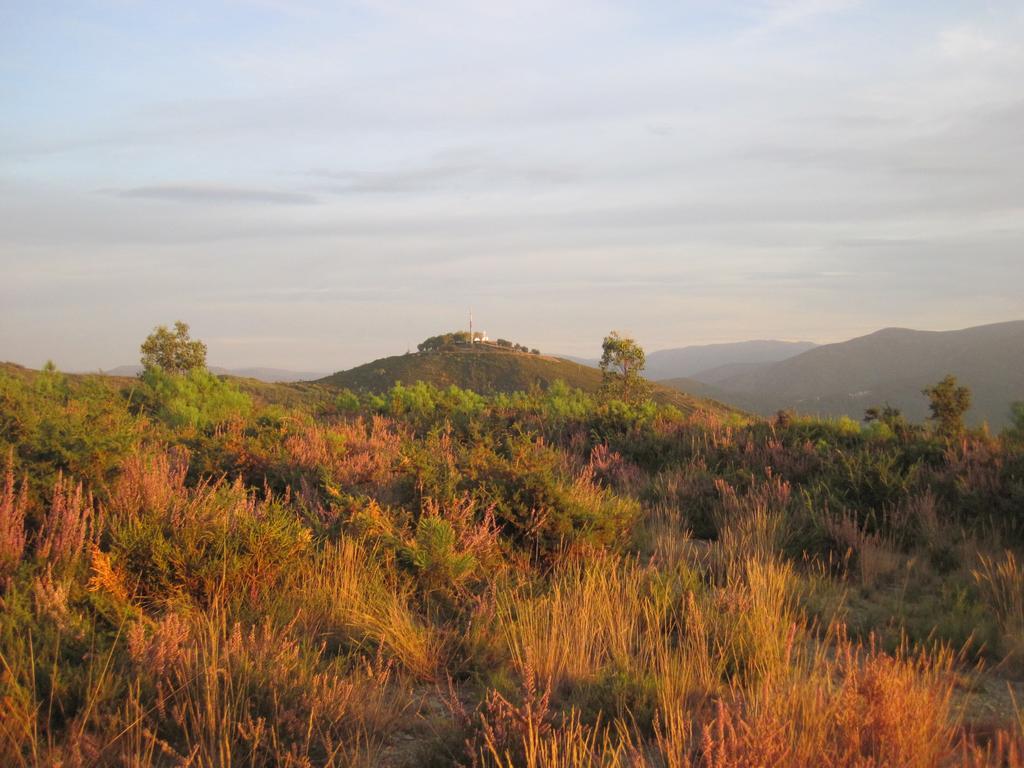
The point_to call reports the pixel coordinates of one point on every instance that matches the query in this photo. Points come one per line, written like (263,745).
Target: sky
(312,185)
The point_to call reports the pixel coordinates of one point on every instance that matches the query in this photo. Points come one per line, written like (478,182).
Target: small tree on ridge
(622,365)
(173,352)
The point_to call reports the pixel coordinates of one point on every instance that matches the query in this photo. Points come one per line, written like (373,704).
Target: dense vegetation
(198,572)
(456,339)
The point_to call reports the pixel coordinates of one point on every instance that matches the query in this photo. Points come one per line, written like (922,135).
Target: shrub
(196,399)
(80,426)
(541,508)
(216,541)
(347,401)
(432,553)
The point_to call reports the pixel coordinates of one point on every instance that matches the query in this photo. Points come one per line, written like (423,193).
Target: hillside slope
(688,361)
(490,372)
(891,365)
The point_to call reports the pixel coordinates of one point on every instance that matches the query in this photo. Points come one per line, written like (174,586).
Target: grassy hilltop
(490,369)
(205,571)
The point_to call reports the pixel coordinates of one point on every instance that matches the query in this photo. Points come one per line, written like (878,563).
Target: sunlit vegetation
(197,572)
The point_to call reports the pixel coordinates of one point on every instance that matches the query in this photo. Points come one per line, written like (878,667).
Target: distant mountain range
(889,366)
(694,360)
(488,371)
(269,375)
(706,358)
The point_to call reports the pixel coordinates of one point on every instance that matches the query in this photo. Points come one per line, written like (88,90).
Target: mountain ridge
(693,359)
(891,365)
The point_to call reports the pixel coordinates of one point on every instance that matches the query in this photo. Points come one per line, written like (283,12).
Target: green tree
(173,352)
(891,418)
(622,365)
(1017,414)
(436,343)
(948,402)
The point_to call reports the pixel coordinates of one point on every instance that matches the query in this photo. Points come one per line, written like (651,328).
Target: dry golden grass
(233,697)
(596,614)
(571,745)
(1001,580)
(875,557)
(349,596)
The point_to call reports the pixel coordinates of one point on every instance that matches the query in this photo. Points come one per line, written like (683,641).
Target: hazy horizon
(592,354)
(315,185)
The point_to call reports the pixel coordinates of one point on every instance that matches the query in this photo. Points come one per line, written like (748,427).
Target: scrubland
(196,575)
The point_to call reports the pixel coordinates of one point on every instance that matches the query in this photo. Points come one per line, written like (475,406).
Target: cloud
(456,169)
(789,13)
(205,194)
(964,42)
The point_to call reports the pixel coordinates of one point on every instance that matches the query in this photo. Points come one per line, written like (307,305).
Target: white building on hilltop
(478,337)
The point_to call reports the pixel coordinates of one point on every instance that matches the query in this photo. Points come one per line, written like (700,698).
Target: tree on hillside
(948,402)
(174,351)
(622,365)
(1017,413)
(436,343)
(891,417)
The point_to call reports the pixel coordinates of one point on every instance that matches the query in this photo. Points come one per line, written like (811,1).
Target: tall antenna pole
(470,325)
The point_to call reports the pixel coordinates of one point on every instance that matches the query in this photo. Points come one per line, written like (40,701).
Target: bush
(216,541)
(197,399)
(539,506)
(434,556)
(82,426)
(347,401)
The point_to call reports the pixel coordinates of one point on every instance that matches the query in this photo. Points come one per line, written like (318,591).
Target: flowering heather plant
(68,524)
(13,506)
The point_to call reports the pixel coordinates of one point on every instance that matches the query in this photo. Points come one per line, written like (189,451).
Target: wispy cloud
(458,169)
(790,12)
(964,41)
(779,14)
(205,194)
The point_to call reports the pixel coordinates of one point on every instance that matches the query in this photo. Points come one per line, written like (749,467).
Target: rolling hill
(489,371)
(889,366)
